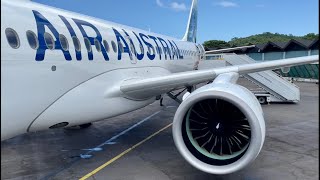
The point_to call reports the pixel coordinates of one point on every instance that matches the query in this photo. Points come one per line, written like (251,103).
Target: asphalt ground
(131,146)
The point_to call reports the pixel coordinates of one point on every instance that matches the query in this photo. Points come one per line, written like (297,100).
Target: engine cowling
(219,128)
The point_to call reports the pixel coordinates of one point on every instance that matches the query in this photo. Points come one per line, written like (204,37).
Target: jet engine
(219,128)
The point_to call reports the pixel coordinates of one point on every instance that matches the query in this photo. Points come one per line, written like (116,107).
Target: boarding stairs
(277,88)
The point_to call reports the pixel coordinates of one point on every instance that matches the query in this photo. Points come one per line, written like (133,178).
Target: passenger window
(114,46)
(64,42)
(97,44)
(32,39)
(153,50)
(142,49)
(49,40)
(106,45)
(12,38)
(87,43)
(156,50)
(160,50)
(149,49)
(121,47)
(133,50)
(76,43)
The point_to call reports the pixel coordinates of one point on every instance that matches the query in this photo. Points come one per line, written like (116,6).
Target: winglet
(191,32)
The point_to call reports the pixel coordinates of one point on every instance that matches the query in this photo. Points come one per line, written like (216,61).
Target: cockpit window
(13,38)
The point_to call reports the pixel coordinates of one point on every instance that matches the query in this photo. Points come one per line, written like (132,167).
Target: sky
(217,19)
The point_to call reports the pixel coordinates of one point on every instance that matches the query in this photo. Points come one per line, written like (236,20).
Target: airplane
(60,69)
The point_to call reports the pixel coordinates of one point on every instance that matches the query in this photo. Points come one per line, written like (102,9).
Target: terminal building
(270,86)
(282,50)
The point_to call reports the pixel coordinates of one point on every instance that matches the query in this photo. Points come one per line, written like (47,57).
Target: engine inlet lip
(256,134)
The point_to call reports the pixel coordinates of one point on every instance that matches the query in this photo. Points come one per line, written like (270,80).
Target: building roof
(292,44)
(314,44)
(296,44)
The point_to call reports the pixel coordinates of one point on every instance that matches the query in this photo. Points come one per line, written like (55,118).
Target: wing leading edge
(149,87)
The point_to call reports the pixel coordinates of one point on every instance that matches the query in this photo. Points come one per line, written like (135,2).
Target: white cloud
(173,5)
(178,7)
(159,3)
(227,4)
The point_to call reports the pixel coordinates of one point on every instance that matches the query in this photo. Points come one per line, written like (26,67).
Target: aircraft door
(201,51)
(198,59)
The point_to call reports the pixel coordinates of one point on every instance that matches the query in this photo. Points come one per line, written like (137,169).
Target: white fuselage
(43,87)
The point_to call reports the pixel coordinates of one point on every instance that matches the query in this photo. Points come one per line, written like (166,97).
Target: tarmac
(139,145)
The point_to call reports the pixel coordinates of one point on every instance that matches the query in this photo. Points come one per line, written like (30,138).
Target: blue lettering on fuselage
(80,24)
(170,52)
(125,45)
(72,34)
(41,23)
(165,48)
(158,48)
(139,56)
(173,50)
(150,56)
(179,52)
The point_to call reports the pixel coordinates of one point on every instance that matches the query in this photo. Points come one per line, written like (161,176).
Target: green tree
(216,44)
(268,36)
(257,39)
(311,36)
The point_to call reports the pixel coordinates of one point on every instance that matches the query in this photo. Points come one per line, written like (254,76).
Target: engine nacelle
(219,128)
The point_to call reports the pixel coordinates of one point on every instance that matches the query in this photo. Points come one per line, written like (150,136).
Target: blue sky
(217,19)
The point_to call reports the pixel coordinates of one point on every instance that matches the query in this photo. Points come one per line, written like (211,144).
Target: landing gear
(161,104)
(262,99)
(175,96)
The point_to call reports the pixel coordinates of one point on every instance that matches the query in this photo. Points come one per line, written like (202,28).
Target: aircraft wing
(149,87)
